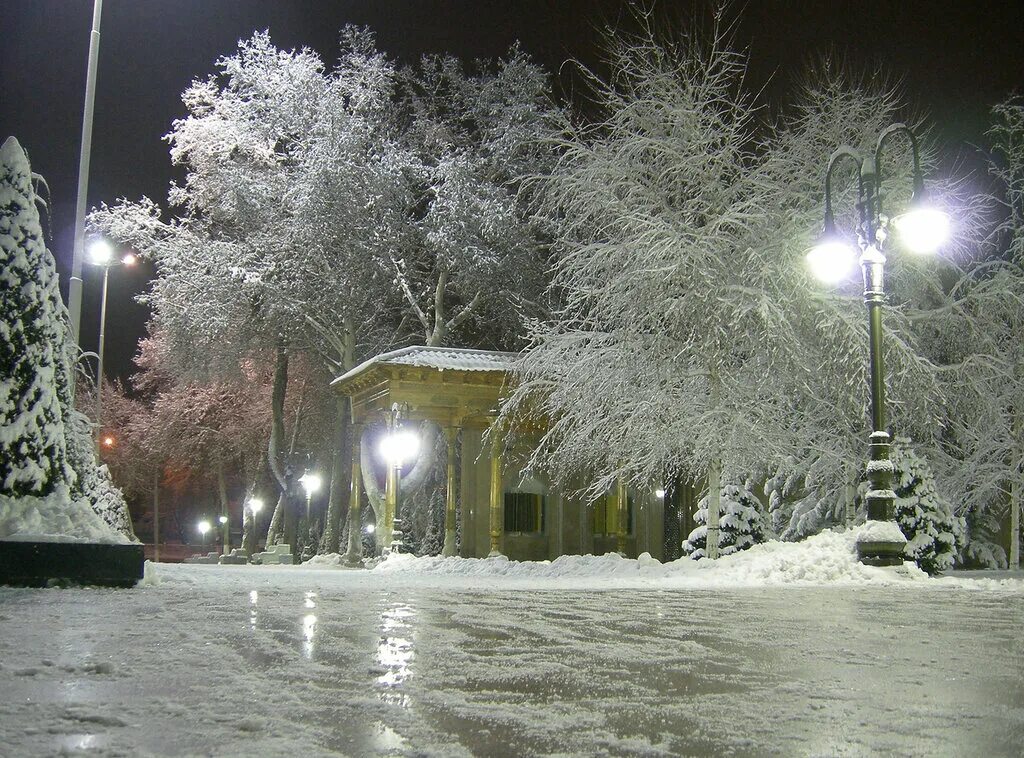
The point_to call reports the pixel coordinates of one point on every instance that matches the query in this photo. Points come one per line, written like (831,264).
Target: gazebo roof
(440,358)
(449,385)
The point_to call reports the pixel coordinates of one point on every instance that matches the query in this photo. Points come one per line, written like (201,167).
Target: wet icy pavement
(275,661)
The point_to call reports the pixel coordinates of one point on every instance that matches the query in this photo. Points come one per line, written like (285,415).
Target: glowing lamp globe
(130,259)
(222,519)
(659,493)
(100,252)
(255,504)
(399,447)
(311,483)
(923,229)
(831,260)
(203,527)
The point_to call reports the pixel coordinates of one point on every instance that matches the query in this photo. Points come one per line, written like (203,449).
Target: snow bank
(56,517)
(827,558)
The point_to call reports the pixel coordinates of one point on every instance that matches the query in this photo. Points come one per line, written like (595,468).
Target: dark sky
(958,59)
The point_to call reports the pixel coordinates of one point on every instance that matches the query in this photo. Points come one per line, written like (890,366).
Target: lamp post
(102,254)
(225,533)
(249,531)
(75,285)
(399,445)
(203,527)
(311,484)
(923,229)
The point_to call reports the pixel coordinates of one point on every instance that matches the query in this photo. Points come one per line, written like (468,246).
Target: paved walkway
(266,661)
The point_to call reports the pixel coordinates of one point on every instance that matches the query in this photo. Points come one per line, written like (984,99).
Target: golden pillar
(390,504)
(621,517)
(496,493)
(354,555)
(451,434)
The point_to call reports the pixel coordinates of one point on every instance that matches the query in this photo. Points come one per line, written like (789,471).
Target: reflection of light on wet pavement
(253,598)
(308,634)
(73,742)
(395,650)
(310,601)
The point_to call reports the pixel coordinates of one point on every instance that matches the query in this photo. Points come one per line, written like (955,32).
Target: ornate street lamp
(398,446)
(923,229)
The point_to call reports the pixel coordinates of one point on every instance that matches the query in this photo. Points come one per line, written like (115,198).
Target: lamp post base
(448,551)
(881,553)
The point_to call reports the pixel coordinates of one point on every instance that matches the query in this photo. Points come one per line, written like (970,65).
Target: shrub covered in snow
(934,535)
(32,448)
(50,484)
(742,523)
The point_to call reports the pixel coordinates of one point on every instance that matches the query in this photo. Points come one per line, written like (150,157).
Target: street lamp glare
(659,493)
(399,447)
(831,260)
(100,252)
(130,259)
(255,504)
(203,527)
(923,229)
(311,483)
(222,519)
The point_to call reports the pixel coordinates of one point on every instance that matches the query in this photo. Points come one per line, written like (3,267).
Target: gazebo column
(621,518)
(354,555)
(390,505)
(496,494)
(451,434)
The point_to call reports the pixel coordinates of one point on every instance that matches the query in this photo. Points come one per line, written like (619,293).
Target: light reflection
(253,598)
(310,602)
(308,634)
(395,651)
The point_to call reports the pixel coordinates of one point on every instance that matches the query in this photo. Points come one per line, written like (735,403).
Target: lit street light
(102,254)
(311,484)
(203,527)
(922,229)
(249,531)
(398,446)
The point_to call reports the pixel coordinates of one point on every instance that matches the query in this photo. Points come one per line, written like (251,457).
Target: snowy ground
(584,656)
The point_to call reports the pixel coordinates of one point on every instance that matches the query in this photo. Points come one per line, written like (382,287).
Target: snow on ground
(787,650)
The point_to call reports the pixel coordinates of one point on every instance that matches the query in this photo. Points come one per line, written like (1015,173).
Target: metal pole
(75,284)
(99,354)
(156,516)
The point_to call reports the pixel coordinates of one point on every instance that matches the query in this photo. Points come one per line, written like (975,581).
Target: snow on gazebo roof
(438,358)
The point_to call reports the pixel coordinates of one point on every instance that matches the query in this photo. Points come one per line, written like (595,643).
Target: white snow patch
(54,518)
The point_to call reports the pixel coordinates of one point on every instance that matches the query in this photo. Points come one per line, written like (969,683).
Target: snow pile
(56,517)
(827,558)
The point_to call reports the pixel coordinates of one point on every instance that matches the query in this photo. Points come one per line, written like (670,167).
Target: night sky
(958,59)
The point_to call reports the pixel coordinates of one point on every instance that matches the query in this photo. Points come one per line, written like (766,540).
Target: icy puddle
(251,661)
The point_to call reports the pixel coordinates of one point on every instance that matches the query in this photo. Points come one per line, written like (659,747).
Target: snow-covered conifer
(742,523)
(33,456)
(934,534)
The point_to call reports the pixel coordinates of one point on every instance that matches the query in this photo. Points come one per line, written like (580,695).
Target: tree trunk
(225,517)
(341,469)
(714,508)
(277,395)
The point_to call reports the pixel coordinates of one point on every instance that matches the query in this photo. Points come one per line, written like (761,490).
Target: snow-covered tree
(987,425)
(33,454)
(934,534)
(742,524)
(49,479)
(478,252)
